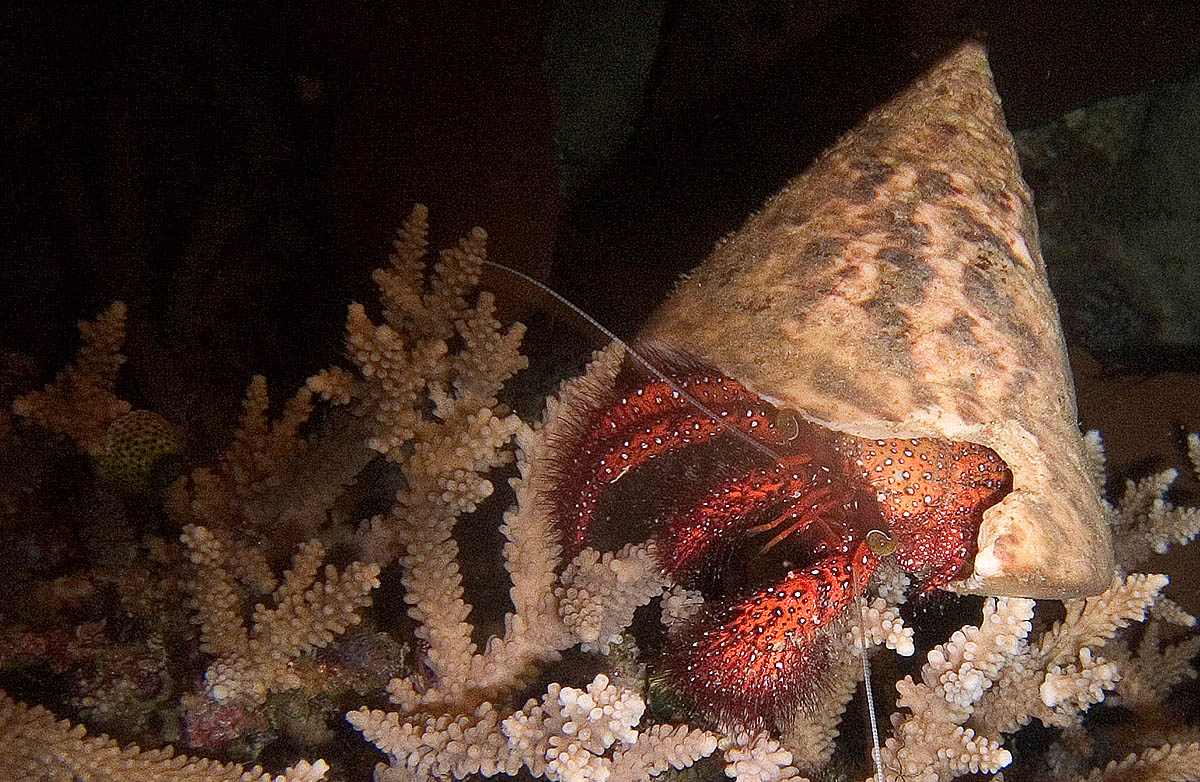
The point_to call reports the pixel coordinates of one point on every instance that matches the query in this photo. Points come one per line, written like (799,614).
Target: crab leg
(693,539)
(754,661)
(642,425)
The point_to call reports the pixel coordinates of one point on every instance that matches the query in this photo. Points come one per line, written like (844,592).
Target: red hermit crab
(872,366)
(840,503)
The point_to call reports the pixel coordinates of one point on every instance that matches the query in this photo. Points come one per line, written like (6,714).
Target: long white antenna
(876,748)
(646,364)
(876,752)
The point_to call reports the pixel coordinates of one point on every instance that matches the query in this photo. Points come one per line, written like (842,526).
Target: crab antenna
(639,358)
(876,749)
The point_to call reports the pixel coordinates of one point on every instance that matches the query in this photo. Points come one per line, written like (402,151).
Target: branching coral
(251,663)
(421,401)
(33,745)
(1143,521)
(570,734)
(82,400)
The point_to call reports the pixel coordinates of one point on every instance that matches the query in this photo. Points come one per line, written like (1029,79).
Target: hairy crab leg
(641,425)
(754,661)
(795,519)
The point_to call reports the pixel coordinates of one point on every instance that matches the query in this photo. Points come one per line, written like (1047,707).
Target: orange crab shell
(897,289)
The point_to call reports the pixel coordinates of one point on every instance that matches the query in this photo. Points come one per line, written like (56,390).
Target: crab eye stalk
(788,425)
(880,543)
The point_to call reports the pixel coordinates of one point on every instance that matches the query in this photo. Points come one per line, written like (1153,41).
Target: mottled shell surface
(897,288)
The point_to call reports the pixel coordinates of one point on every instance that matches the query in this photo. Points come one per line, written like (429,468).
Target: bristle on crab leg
(755,661)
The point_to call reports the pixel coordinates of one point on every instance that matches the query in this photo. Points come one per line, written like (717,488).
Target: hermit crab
(872,367)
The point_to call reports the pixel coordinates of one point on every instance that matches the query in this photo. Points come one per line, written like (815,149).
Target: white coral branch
(307,614)
(757,757)
(930,743)
(601,591)
(568,735)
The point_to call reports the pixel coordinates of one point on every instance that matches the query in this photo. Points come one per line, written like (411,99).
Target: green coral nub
(143,453)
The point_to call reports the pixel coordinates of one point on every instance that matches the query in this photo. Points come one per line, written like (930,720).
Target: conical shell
(896,288)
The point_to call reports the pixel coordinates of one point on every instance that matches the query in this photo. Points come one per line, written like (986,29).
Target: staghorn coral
(82,400)
(252,663)
(1143,521)
(34,745)
(568,734)
(272,488)
(273,491)
(423,394)
(1174,762)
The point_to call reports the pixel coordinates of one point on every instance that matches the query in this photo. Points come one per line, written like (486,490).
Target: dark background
(235,173)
